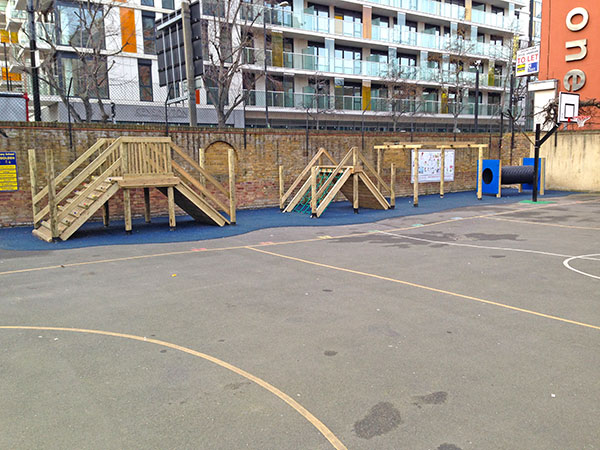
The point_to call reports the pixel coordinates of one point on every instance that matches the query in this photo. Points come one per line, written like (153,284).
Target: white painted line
(568,266)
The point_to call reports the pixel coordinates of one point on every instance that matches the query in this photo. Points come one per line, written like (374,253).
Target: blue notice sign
(9,180)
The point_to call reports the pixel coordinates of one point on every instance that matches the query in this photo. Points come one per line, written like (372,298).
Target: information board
(430,166)
(8,172)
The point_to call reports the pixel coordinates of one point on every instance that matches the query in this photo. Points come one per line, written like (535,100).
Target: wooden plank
(147,205)
(313,190)
(68,231)
(125,159)
(127,209)
(202,163)
(296,199)
(379,169)
(171,202)
(393,186)
(442,170)
(334,191)
(304,172)
(231,166)
(205,210)
(65,173)
(333,174)
(416,177)
(34,186)
(355,195)
(191,180)
(51,193)
(281,187)
(202,171)
(372,170)
(376,193)
(148,181)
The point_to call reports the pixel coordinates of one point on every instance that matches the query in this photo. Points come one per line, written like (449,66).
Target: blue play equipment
(493,176)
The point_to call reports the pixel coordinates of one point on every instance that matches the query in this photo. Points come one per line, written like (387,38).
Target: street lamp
(280,5)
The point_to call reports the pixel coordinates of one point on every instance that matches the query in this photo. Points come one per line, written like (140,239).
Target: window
(432,29)
(478,6)
(216,89)
(498,11)
(148,2)
(90,77)
(496,40)
(148,31)
(168,4)
(145,79)
(80,24)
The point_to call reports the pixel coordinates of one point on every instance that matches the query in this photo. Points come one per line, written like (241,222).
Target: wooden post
(499,194)
(378,168)
(392,186)
(281,188)
(106,214)
(202,163)
(147,204)
(313,191)
(127,209)
(355,181)
(416,178)
(51,193)
(171,201)
(124,147)
(232,203)
(479,172)
(442,171)
(34,186)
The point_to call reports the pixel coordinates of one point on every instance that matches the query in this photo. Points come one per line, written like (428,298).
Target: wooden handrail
(74,165)
(202,171)
(373,171)
(334,173)
(199,186)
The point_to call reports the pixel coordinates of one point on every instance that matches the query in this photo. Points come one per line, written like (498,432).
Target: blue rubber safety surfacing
(339,213)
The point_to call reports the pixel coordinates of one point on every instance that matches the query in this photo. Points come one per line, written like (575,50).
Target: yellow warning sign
(9,179)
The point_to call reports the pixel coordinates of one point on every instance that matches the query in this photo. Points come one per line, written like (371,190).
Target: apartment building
(387,64)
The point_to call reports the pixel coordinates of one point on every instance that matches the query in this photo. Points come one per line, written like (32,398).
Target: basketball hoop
(581,120)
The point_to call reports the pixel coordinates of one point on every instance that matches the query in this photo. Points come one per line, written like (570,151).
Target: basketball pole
(536,156)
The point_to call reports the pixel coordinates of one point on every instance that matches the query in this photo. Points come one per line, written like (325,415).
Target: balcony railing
(325,102)
(323,64)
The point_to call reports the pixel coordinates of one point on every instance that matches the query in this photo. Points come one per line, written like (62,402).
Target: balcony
(332,103)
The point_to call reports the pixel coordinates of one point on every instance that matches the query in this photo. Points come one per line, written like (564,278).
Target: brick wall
(258,154)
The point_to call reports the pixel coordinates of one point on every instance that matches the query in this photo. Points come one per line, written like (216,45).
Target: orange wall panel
(128,39)
(556,37)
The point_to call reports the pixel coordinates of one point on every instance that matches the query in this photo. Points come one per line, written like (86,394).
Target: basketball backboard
(568,106)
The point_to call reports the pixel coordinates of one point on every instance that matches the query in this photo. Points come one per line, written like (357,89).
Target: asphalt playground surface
(474,327)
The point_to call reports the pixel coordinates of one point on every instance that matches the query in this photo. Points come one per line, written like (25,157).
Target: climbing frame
(319,184)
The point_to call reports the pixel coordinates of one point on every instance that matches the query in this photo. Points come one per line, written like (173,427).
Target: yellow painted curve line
(427,288)
(326,432)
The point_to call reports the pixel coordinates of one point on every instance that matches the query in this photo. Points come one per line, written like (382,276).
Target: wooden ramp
(76,194)
(318,185)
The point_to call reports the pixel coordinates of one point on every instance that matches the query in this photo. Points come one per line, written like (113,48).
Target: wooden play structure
(71,198)
(319,184)
(412,147)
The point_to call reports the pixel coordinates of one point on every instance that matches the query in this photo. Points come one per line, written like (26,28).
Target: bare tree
(227,38)
(91,32)
(403,94)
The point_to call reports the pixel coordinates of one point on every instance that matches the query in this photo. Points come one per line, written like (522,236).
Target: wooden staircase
(76,194)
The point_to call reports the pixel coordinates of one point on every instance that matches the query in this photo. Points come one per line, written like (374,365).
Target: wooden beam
(333,192)
(52,205)
(355,181)
(171,202)
(305,171)
(127,209)
(281,187)
(202,163)
(378,168)
(442,170)
(313,191)
(147,204)
(393,186)
(372,170)
(416,177)
(232,202)
(34,185)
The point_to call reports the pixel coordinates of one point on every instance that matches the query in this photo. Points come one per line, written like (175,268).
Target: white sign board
(568,106)
(430,166)
(528,61)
